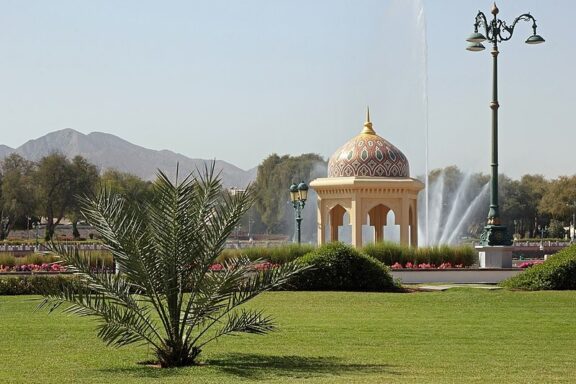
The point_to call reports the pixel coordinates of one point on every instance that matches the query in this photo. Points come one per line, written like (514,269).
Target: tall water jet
(455,205)
(422,35)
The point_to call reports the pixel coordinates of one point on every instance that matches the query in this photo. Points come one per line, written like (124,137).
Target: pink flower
(265,266)
(216,267)
(396,265)
(528,264)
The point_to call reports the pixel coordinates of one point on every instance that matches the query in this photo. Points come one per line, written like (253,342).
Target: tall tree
(559,200)
(59,183)
(127,184)
(84,181)
(18,198)
(273,180)
(54,181)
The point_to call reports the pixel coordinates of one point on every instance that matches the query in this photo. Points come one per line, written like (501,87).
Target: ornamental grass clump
(279,255)
(393,254)
(165,294)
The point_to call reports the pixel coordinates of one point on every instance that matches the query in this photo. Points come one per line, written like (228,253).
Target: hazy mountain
(5,150)
(109,151)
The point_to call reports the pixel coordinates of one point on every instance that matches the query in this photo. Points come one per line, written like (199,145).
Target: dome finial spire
(368,124)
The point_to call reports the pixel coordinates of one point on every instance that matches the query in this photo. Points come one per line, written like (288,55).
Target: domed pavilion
(367,178)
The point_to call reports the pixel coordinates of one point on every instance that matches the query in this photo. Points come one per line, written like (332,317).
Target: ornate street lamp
(298,196)
(496,31)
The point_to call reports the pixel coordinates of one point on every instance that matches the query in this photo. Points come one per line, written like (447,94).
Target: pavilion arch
(367,200)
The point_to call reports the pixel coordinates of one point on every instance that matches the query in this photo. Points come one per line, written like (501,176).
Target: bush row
(34,284)
(558,273)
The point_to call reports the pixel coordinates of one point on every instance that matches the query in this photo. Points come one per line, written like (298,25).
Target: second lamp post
(298,196)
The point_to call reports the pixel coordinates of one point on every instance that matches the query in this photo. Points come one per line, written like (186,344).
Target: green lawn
(456,336)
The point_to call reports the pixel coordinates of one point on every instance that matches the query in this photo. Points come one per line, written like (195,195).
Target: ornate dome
(368,155)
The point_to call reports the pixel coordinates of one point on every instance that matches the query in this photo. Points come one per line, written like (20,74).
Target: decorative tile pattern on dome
(368,155)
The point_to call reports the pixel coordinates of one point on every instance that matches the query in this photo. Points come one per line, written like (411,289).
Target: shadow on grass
(260,367)
(254,366)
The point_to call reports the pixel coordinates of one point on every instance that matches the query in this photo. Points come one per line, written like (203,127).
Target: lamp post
(37,227)
(496,31)
(298,196)
(573,222)
(572,227)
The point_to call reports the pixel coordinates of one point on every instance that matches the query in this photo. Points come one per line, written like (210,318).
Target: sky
(240,80)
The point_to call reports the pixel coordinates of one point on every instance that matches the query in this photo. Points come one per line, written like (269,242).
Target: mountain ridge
(108,151)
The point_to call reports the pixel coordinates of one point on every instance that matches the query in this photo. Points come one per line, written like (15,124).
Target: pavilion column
(356,221)
(322,218)
(414,225)
(404,222)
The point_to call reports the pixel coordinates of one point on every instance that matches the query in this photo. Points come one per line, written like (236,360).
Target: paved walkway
(448,286)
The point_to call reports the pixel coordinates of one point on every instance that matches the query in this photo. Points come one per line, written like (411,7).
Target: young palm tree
(164,293)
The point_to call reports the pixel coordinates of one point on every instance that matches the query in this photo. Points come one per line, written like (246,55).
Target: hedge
(34,284)
(340,267)
(557,273)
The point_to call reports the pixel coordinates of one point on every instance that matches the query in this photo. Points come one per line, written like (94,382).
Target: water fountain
(453,208)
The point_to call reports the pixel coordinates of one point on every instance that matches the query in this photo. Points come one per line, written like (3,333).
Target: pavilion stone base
(496,256)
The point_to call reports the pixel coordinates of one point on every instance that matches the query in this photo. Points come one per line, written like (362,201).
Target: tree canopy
(275,175)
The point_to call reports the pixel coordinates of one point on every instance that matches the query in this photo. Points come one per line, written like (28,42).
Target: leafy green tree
(165,294)
(127,184)
(54,182)
(556,229)
(559,198)
(18,198)
(84,180)
(275,174)
(534,187)
(519,202)
(59,183)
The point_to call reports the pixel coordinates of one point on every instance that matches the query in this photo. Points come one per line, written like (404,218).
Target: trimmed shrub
(339,267)
(558,273)
(276,255)
(34,284)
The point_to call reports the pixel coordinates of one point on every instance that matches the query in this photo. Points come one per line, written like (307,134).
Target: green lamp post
(298,196)
(496,31)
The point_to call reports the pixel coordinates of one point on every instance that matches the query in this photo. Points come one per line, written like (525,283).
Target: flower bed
(258,267)
(410,265)
(528,264)
(45,267)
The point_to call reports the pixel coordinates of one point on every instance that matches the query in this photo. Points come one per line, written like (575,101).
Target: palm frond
(136,322)
(244,321)
(165,294)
